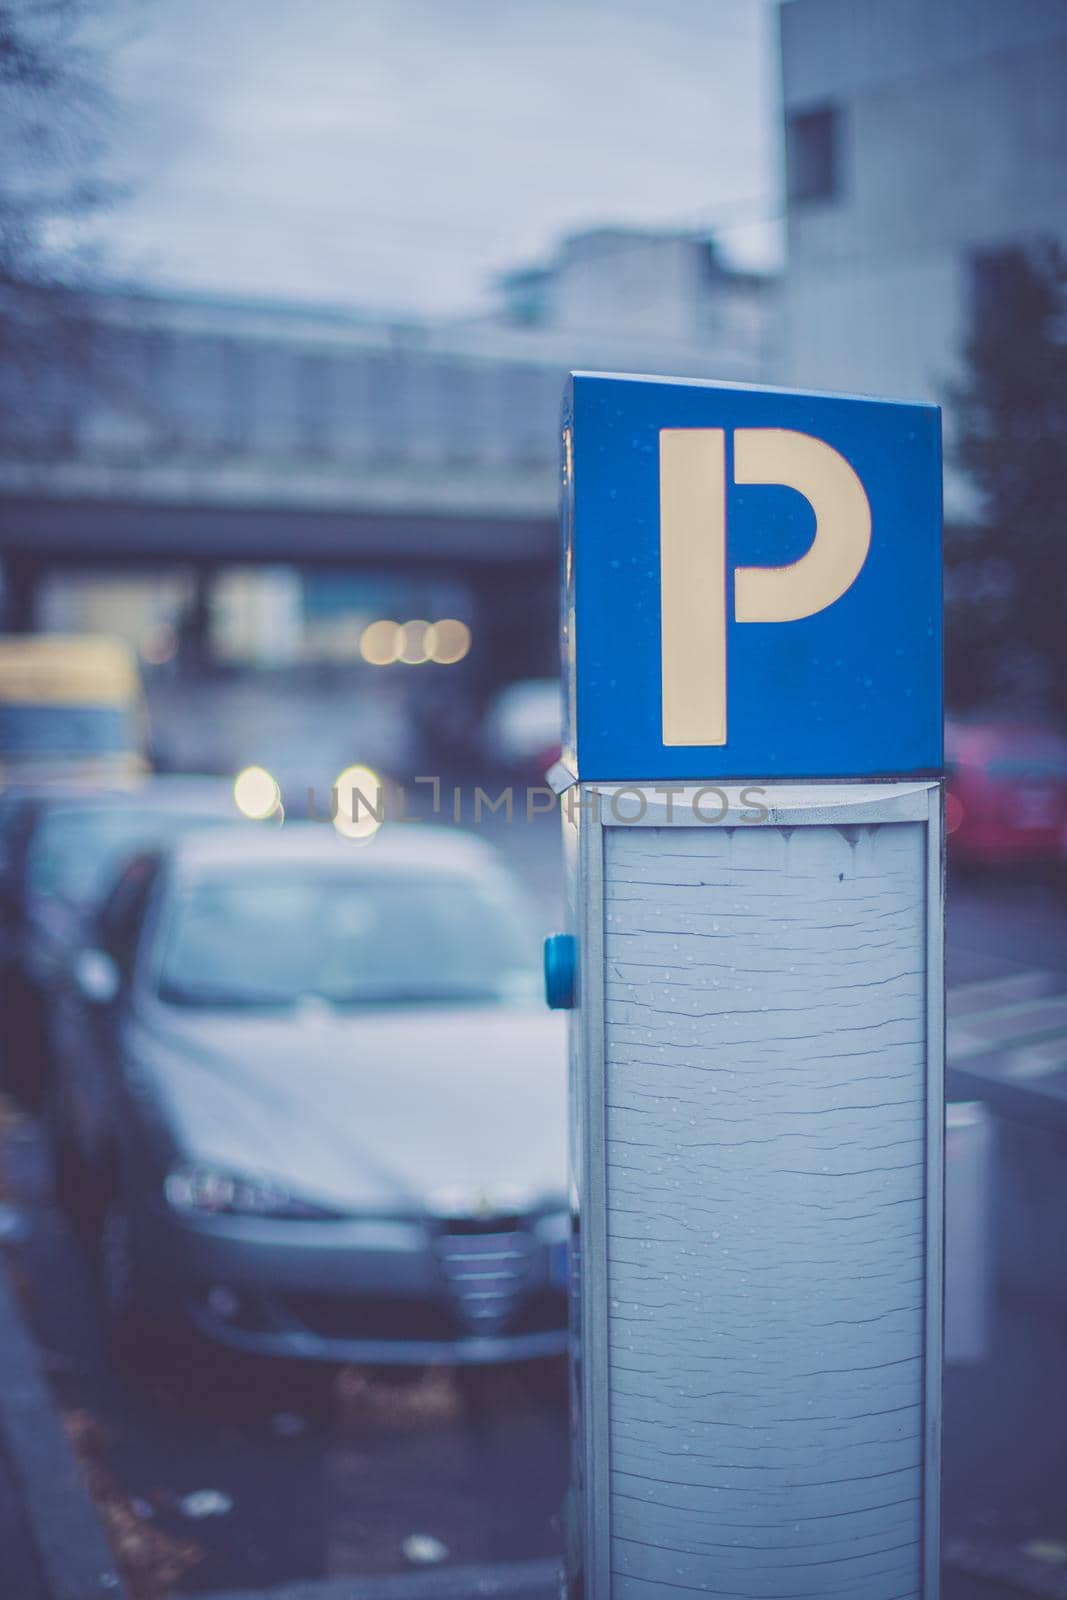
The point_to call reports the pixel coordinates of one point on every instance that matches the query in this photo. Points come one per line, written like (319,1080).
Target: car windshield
(38,730)
(275,938)
(75,849)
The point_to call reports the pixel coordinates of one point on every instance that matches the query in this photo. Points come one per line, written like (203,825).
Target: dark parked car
(309,1101)
(58,847)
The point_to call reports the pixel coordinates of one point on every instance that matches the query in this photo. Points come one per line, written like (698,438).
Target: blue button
(561,965)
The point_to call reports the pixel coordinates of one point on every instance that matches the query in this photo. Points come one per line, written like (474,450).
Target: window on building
(813,154)
(237,377)
(315,408)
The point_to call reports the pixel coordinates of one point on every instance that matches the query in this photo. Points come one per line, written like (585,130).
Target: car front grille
(486,1269)
(489,1287)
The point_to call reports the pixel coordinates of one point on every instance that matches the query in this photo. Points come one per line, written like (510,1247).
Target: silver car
(308,1100)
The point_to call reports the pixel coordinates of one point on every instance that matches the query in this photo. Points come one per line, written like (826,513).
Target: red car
(1007,791)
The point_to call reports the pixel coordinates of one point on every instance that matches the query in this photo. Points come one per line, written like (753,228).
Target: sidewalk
(53,1524)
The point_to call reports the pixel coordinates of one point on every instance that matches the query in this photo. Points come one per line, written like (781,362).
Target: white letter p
(693,558)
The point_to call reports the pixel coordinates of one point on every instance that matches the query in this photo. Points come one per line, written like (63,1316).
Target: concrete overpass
(181,435)
(152,431)
(162,432)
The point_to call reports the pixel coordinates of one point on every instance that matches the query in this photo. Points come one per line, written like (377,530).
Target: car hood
(448,1107)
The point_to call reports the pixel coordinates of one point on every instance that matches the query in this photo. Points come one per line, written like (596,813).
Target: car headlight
(206,1190)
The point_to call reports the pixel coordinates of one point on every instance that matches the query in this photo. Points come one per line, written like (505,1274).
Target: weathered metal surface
(766,1128)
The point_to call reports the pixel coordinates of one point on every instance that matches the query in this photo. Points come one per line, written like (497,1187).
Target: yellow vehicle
(71,707)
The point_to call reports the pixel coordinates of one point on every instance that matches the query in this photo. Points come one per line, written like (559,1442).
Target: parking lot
(231,1473)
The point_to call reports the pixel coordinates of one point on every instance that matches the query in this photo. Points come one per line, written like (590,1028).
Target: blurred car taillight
(1006,797)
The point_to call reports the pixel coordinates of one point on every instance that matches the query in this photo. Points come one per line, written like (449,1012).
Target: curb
(506,1580)
(75,1560)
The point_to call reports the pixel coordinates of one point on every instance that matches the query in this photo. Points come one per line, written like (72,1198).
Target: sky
(397,154)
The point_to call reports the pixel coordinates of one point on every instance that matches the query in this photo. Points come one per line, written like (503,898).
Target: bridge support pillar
(196,647)
(19,596)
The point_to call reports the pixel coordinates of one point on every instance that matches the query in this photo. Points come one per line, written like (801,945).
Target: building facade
(923,141)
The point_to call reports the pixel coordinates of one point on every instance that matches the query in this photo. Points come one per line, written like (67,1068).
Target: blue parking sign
(752,582)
